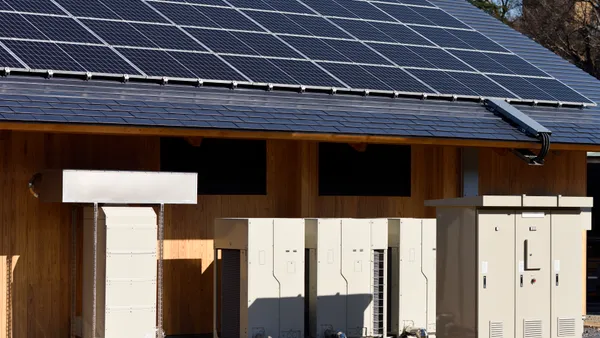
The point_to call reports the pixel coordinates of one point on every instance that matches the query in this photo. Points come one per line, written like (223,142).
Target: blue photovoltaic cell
(416,2)
(207,66)
(88,8)
(558,90)
(480,61)
(228,18)
(220,41)
(403,14)
(43,55)
(156,62)
(266,44)
(440,58)
(355,76)
(442,82)
(439,17)
(291,6)
(98,59)
(401,33)
(118,33)
(306,73)
(184,14)
(480,84)
(61,29)
(521,87)
(363,30)
(7,60)
(134,10)
(516,64)
(318,26)
(207,2)
(441,37)
(364,10)
(254,4)
(35,6)
(4,6)
(277,22)
(356,51)
(315,49)
(401,55)
(398,79)
(259,70)
(330,8)
(14,26)
(477,40)
(168,37)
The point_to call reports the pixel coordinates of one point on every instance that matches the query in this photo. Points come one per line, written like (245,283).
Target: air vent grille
(496,330)
(566,327)
(230,293)
(378,292)
(532,329)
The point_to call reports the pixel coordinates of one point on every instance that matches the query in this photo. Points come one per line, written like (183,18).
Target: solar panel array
(392,45)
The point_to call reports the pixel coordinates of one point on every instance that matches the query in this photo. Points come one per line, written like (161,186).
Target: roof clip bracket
(270,87)
(333,91)
(366,92)
(302,89)
(88,76)
(164,81)
(424,96)
(199,83)
(125,78)
(396,94)
(234,85)
(49,74)
(454,98)
(6,71)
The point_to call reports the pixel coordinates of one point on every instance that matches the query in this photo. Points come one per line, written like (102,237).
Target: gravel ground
(592,332)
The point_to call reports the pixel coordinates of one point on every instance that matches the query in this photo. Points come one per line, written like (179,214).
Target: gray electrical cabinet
(346,277)
(412,256)
(510,266)
(260,278)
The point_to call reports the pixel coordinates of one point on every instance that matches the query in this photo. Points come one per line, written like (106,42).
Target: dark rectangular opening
(224,166)
(377,170)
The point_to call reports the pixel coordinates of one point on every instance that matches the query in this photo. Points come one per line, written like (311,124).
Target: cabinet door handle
(556,279)
(521,280)
(484,282)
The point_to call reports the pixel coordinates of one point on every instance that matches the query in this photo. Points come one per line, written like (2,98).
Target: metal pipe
(95,276)
(73,268)
(161,236)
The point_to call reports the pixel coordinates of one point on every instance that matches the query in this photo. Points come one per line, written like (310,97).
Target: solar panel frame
(57,28)
(156,62)
(43,55)
(168,37)
(14,25)
(89,8)
(35,6)
(98,59)
(118,33)
(221,41)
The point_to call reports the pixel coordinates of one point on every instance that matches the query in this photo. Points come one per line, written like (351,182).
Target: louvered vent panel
(496,330)
(566,327)
(378,292)
(532,329)
(230,294)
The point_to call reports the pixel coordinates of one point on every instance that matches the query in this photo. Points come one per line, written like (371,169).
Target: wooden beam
(195,132)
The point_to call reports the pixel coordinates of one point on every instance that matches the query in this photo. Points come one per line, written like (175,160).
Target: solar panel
(401,45)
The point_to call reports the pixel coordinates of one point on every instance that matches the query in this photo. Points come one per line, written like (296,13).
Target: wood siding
(36,236)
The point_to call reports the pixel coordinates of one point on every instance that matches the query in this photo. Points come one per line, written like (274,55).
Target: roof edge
(92,129)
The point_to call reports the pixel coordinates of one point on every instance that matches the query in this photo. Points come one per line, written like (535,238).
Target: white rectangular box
(347,275)
(261,278)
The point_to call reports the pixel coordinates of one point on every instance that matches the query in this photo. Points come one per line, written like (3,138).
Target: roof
(107,102)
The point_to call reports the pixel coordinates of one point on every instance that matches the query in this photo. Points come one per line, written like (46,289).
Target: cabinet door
(533,277)
(565,274)
(496,273)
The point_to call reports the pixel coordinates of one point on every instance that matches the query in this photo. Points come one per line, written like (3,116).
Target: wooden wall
(36,235)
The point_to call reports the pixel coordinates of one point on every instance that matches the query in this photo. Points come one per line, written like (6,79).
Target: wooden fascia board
(218,133)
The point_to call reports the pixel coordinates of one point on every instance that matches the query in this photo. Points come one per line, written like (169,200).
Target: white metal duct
(346,289)
(412,276)
(126,272)
(262,278)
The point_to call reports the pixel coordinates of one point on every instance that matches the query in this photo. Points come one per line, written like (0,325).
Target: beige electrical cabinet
(412,256)
(510,266)
(346,274)
(260,278)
